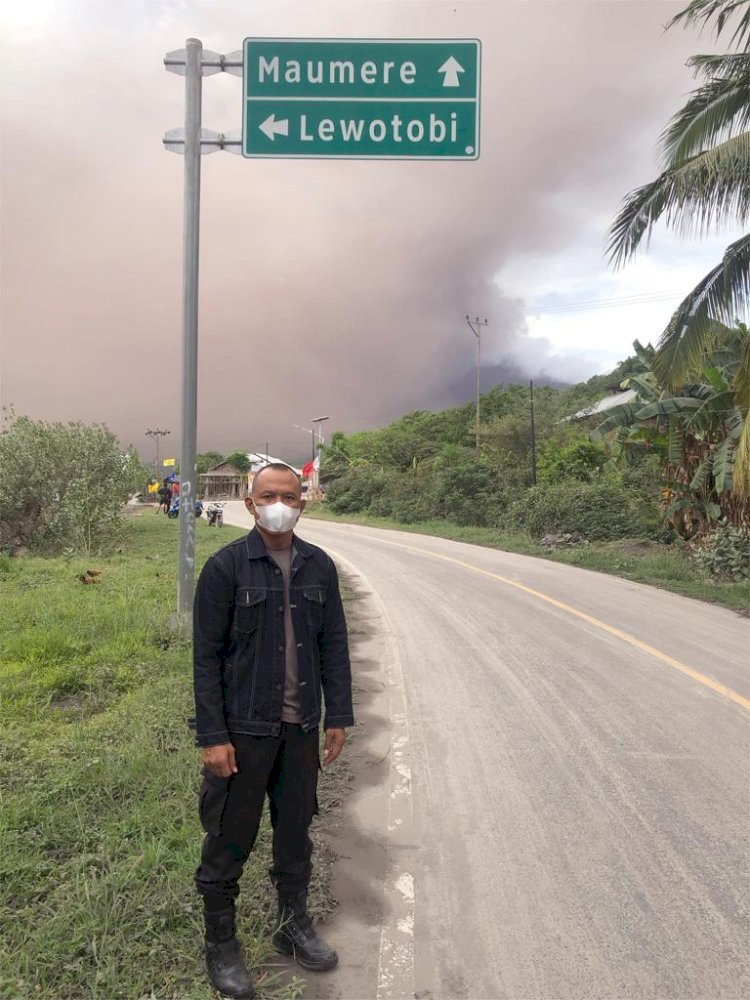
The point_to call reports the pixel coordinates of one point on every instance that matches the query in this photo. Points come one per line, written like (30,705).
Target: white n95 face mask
(277,517)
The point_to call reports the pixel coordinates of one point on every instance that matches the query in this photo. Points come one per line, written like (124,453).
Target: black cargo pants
(284,767)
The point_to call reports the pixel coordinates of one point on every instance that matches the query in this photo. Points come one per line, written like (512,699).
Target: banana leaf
(645,386)
(702,474)
(723,465)
(672,404)
(619,416)
(674,443)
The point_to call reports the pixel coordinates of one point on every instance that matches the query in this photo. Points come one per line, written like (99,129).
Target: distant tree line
(660,465)
(424,466)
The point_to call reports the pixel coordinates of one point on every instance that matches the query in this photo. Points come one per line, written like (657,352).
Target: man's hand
(334,744)
(220,760)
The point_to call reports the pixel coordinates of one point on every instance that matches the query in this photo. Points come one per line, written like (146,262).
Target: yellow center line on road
(696,675)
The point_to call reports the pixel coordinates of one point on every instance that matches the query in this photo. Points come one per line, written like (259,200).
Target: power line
(610,303)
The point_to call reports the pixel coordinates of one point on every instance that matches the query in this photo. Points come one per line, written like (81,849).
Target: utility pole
(533,436)
(156,434)
(475,326)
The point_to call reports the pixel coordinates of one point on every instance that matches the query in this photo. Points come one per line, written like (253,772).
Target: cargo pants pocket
(213,799)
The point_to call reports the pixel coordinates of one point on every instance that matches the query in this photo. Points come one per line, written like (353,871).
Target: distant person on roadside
(165,497)
(269,635)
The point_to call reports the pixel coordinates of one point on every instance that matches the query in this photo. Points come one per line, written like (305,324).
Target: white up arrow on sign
(270,127)
(451,67)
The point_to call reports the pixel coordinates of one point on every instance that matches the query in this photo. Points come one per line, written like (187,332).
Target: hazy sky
(333,287)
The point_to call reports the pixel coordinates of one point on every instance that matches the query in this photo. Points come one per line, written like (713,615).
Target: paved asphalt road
(564,809)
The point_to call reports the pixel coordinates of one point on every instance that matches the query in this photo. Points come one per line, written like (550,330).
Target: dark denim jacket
(238,642)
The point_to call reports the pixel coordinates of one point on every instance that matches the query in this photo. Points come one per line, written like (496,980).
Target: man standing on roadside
(269,634)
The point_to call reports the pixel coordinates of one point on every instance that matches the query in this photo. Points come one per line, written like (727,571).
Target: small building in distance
(608,403)
(225,481)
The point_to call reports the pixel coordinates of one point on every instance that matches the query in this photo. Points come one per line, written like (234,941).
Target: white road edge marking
(396,955)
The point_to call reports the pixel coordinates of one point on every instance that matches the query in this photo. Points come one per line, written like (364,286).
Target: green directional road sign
(361,98)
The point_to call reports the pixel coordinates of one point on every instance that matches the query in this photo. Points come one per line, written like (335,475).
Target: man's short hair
(279,467)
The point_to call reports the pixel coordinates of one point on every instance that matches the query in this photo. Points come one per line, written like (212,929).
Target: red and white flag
(307,470)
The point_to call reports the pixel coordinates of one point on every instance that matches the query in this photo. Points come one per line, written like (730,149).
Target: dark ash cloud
(335,287)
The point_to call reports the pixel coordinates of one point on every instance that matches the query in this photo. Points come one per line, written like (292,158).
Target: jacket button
(281,649)
(281,609)
(277,572)
(278,687)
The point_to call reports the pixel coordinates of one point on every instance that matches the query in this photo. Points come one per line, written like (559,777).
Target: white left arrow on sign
(270,127)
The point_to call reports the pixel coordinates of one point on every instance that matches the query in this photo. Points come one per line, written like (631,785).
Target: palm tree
(705,182)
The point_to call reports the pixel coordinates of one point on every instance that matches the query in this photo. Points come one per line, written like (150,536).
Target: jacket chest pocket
(249,610)
(314,601)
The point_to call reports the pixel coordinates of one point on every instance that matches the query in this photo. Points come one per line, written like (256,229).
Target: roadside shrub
(402,496)
(470,493)
(578,458)
(409,508)
(599,510)
(724,554)
(454,487)
(356,489)
(62,486)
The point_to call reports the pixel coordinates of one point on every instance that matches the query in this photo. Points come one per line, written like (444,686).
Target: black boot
(226,966)
(295,935)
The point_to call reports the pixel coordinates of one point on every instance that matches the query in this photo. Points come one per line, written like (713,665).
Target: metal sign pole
(190,244)
(193,62)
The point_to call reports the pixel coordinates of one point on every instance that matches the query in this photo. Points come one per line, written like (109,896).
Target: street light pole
(319,421)
(312,436)
(475,326)
(156,434)
(316,477)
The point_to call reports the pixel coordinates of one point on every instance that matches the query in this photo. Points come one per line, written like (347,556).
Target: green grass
(99,833)
(664,566)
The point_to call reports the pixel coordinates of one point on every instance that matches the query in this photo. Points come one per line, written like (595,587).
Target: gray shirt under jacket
(291,710)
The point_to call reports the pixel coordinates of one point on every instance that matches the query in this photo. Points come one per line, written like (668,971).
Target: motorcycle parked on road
(174,509)
(215,514)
